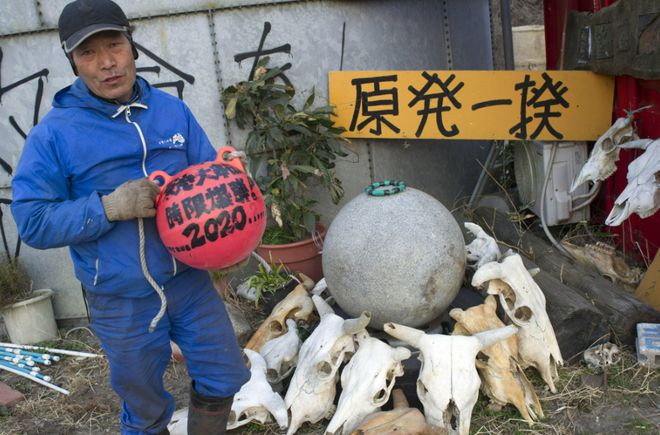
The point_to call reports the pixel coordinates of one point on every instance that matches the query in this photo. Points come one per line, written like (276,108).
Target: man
(81,182)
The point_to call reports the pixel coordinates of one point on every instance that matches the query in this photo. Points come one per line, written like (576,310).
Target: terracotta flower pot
(303,256)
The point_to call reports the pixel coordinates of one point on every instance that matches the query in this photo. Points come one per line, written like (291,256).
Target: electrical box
(532,165)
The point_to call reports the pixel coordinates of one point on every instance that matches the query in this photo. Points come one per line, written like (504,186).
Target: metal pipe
(27,367)
(37,380)
(507,34)
(48,349)
(12,357)
(15,360)
(18,351)
(26,370)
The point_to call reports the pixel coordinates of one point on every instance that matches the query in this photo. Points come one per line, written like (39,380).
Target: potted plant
(27,313)
(271,283)
(291,148)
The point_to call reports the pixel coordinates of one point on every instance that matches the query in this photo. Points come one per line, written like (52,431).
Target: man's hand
(133,199)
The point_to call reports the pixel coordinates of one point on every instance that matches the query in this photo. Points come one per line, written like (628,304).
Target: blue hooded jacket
(86,147)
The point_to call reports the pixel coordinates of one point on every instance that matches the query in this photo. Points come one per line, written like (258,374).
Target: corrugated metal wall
(190,48)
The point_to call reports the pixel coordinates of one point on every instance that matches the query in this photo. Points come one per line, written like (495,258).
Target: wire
(546,230)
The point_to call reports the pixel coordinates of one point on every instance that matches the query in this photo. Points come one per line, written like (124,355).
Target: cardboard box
(649,288)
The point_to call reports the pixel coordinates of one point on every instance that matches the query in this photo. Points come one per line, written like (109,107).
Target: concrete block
(648,344)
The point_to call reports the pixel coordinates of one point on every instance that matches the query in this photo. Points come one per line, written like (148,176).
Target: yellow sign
(517,105)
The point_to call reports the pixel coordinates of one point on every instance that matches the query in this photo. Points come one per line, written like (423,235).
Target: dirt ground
(630,404)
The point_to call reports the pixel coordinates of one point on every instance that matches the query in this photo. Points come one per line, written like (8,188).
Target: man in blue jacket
(81,182)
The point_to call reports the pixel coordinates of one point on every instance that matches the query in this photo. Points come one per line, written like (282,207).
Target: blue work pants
(196,320)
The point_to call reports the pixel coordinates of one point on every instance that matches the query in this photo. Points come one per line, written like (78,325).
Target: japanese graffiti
(532,105)
(285,48)
(204,211)
(178,84)
(39,76)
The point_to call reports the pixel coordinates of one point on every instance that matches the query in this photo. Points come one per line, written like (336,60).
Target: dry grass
(628,405)
(629,385)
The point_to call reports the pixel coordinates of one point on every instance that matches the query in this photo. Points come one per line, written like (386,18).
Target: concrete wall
(193,45)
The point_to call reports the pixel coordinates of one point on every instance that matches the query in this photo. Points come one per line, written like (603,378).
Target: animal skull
(604,258)
(297,305)
(602,355)
(483,248)
(642,194)
(503,380)
(448,383)
(256,400)
(281,354)
(401,420)
(366,382)
(524,303)
(605,153)
(313,385)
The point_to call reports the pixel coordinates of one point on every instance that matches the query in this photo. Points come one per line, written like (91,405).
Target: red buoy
(210,215)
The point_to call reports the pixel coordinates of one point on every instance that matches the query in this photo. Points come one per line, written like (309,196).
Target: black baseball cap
(83,18)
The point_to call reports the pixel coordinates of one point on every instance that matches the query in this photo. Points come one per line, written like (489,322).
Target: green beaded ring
(391,187)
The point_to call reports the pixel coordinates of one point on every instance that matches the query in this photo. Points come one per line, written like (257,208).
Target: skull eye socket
(324,369)
(523,314)
(482,357)
(380,396)
(276,327)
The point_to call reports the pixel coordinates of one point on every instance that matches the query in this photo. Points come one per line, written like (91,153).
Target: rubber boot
(208,415)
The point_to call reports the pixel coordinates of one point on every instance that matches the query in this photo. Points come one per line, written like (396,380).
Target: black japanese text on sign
(516,105)
(213,212)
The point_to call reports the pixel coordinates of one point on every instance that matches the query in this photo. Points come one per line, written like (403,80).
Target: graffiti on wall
(262,52)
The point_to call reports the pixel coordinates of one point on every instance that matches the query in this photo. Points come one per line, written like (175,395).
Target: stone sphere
(400,257)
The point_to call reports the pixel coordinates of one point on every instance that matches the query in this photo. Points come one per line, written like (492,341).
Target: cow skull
(524,303)
(642,194)
(281,353)
(401,420)
(297,305)
(605,153)
(313,385)
(483,249)
(448,383)
(366,382)
(256,400)
(503,380)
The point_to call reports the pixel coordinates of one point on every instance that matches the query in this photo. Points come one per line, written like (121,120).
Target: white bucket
(32,320)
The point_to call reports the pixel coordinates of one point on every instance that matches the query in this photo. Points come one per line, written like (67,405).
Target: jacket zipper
(96,275)
(127,115)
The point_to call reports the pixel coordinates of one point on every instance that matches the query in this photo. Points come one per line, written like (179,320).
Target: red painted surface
(210,215)
(9,396)
(637,237)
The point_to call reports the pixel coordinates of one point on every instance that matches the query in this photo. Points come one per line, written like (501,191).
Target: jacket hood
(79,95)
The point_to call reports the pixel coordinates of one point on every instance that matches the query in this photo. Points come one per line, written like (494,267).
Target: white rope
(152,281)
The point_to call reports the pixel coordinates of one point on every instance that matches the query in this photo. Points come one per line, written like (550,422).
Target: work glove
(133,199)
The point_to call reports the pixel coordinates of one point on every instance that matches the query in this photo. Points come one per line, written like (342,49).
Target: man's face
(105,63)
